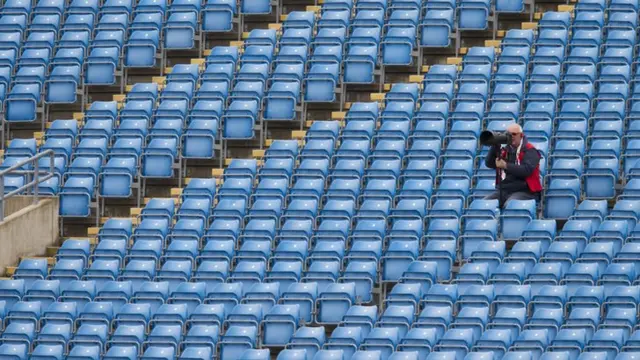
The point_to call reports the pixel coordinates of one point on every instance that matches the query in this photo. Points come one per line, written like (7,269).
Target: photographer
(517,168)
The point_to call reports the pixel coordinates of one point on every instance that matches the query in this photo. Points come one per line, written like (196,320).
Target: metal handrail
(37,179)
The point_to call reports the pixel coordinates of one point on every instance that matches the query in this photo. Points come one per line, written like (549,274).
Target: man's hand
(501,164)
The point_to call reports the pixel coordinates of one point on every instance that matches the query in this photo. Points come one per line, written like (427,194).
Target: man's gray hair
(514,127)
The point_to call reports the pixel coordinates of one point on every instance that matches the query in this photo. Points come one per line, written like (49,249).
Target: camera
(491,138)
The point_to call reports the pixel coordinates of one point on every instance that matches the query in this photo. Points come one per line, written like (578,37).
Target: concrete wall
(28,230)
(16,203)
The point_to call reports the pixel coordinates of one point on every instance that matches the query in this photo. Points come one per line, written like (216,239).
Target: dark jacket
(516,174)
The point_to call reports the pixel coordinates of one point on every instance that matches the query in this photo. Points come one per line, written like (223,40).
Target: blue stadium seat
(334,302)
(516,216)
(181,26)
(473,15)
(476,232)
(437,25)
(218,15)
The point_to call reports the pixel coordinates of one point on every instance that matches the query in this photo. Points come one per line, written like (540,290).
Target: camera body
(491,138)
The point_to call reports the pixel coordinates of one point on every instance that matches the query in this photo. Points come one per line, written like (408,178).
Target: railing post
(36,179)
(1,197)
(52,163)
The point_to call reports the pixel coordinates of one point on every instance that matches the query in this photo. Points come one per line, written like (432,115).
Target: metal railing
(33,177)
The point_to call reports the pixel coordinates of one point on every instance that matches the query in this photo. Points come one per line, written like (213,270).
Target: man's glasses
(515,134)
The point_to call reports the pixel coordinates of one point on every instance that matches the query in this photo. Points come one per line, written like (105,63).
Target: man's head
(516,134)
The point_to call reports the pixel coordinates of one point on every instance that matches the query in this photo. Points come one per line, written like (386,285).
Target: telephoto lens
(490,138)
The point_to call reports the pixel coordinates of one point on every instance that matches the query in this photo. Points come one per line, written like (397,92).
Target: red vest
(533,180)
